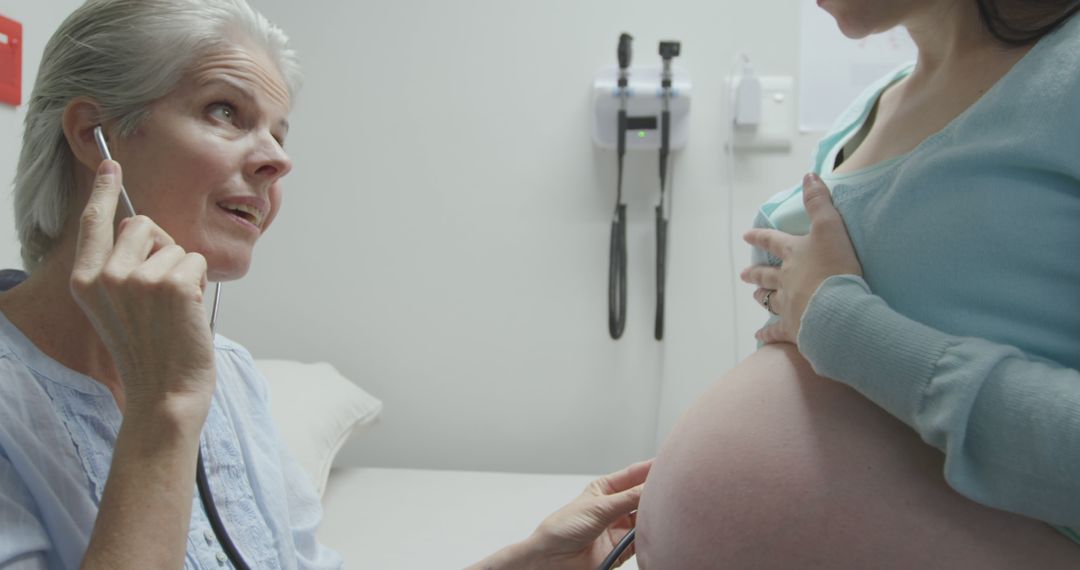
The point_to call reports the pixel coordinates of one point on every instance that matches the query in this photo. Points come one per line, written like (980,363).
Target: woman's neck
(953,43)
(43,309)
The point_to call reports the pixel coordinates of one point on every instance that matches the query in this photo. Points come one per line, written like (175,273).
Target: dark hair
(1023,22)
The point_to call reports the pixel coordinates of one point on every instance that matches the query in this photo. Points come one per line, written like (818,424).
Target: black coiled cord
(215,519)
(617,274)
(661,271)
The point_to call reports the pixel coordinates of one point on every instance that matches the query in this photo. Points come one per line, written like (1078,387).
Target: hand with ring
(764,297)
(806,261)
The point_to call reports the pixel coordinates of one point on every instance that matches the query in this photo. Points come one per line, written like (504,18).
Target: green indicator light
(641,134)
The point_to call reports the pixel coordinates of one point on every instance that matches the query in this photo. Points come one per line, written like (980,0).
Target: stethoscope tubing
(616,552)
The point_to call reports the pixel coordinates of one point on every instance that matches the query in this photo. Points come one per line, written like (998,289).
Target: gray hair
(123,54)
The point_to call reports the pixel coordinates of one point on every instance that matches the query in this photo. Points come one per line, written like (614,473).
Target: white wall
(39,20)
(445,232)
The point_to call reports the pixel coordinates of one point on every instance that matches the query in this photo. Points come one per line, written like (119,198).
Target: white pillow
(315,409)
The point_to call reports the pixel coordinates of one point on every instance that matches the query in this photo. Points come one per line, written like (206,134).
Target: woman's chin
(221,270)
(849,26)
(853,31)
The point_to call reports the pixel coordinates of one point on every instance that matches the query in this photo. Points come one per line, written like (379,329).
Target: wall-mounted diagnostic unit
(640,109)
(644,105)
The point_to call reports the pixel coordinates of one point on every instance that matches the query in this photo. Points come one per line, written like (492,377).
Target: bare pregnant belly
(776,467)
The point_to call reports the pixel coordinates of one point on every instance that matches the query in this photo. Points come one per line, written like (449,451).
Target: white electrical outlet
(776,132)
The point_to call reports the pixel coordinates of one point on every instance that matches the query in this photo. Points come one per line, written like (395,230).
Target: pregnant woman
(916,400)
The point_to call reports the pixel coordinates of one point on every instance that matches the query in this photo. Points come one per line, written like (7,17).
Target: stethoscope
(617,266)
(616,552)
(200,471)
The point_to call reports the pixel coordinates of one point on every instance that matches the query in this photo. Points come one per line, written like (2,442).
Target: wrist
(524,555)
(167,415)
(530,552)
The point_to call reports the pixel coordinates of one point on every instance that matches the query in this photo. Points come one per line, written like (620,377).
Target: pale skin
(777,467)
(580,535)
(123,302)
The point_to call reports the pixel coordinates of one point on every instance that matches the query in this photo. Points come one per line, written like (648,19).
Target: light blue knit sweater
(966,325)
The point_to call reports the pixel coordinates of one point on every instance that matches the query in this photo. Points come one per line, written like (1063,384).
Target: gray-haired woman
(108,370)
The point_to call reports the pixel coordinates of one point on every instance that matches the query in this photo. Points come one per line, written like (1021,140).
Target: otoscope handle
(624,50)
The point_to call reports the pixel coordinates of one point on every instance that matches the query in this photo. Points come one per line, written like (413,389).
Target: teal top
(966,323)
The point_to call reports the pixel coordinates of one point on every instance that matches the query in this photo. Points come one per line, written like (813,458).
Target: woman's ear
(80,118)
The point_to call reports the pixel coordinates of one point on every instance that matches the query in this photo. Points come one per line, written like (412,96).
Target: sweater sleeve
(1008,423)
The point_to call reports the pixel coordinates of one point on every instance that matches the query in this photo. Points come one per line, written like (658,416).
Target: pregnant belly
(752,472)
(728,454)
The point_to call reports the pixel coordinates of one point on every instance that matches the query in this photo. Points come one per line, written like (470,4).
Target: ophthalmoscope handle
(624,50)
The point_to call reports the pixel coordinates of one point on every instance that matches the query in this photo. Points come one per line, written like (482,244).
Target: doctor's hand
(581,534)
(806,261)
(143,294)
(584,532)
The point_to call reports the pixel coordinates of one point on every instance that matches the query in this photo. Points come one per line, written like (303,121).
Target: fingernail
(810,178)
(107,168)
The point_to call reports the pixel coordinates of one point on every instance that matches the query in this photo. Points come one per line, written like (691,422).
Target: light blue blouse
(966,323)
(57,432)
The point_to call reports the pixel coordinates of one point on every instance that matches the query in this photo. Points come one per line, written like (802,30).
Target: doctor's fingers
(139,238)
(764,276)
(95,238)
(172,265)
(614,508)
(621,480)
(775,333)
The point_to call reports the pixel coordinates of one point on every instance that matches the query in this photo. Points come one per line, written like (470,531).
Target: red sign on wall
(10,61)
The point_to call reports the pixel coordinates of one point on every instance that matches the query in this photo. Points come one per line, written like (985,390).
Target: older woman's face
(206,164)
